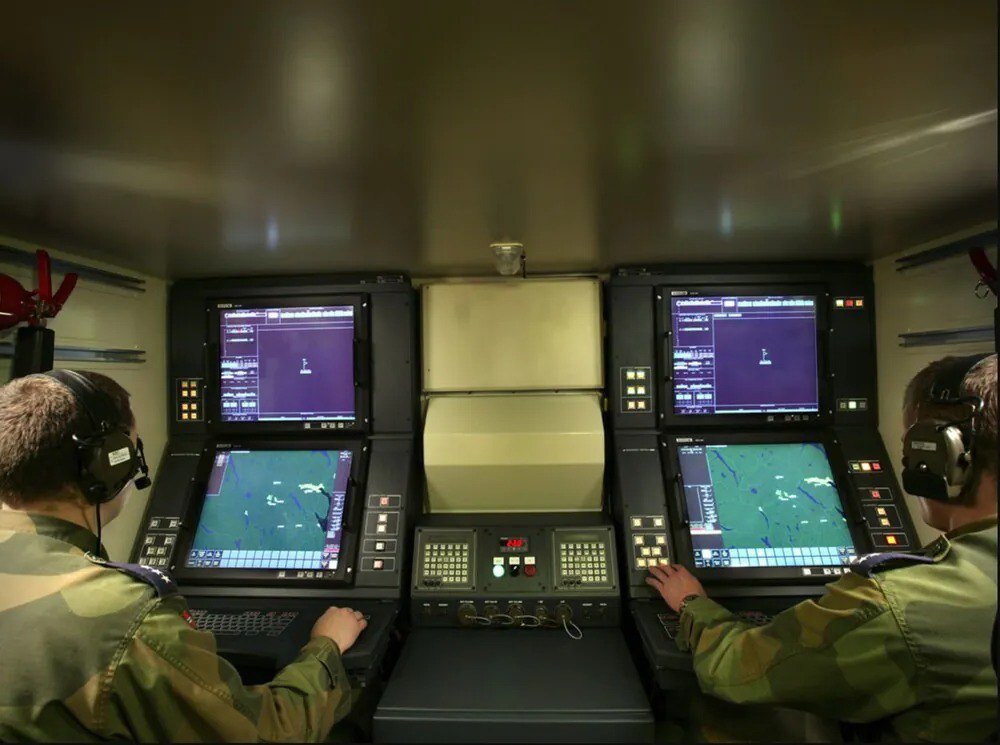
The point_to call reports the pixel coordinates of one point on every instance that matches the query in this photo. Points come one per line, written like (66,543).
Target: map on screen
(763,504)
(273,509)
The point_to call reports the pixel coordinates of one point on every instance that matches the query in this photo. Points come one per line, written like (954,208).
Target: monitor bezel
(354,506)
(362,372)
(821,417)
(684,545)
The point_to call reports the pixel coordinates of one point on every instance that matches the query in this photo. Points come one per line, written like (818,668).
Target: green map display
(269,500)
(779,495)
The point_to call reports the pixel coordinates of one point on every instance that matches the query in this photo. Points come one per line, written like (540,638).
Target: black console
(744,438)
(290,477)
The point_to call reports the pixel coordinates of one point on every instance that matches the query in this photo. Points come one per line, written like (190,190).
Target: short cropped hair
(980,381)
(38,417)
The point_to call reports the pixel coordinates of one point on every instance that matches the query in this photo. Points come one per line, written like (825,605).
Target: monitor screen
(287,364)
(273,509)
(745,355)
(763,505)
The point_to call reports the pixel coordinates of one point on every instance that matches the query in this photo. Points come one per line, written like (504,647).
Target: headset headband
(97,405)
(947,385)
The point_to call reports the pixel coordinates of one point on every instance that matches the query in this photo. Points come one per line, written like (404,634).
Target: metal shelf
(946,336)
(86,354)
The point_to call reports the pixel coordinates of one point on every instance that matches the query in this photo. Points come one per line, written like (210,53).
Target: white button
(630,391)
(639,540)
(657,522)
(150,539)
(498,560)
(630,374)
(664,562)
(383,518)
(379,528)
(640,405)
(529,560)
(645,552)
(661,540)
(636,522)
(630,405)
(657,552)
(641,390)
(377,564)
(640,374)
(379,546)
(515,561)
(498,570)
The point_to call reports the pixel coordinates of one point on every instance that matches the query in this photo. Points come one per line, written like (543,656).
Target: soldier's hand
(343,625)
(674,583)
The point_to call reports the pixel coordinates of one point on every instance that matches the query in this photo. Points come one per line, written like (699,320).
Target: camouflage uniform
(90,652)
(903,647)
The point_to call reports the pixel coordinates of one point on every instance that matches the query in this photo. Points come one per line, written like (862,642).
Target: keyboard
(247,623)
(671,622)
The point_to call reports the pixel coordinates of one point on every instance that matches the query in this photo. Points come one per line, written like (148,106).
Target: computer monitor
(287,362)
(771,506)
(272,513)
(744,354)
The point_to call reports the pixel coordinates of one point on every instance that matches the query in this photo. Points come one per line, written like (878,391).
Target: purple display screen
(745,354)
(287,364)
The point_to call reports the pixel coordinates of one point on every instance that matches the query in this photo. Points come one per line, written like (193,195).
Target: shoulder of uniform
(871,564)
(158,580)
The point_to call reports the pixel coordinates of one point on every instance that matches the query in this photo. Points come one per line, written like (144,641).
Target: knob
(515,570)
(530,571)
(466,614)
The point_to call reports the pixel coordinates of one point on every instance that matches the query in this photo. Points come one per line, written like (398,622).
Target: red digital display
(514,544)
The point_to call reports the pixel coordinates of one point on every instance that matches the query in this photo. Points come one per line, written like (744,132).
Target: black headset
(938,454)
(106,458)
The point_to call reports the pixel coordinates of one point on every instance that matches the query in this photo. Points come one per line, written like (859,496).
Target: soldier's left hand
(674,583)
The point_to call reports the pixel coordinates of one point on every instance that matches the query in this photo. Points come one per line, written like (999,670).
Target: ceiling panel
(194,138)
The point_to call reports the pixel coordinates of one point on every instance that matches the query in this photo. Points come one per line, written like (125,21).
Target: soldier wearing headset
(94,650)
(899,648)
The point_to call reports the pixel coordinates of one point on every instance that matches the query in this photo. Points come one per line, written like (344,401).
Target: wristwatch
(687,599)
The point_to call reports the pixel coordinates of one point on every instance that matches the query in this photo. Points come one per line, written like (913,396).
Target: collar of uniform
(75,535)
(973,527)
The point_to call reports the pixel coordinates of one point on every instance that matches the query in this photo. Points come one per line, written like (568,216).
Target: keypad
(157,548)
(446,563)
(583,563)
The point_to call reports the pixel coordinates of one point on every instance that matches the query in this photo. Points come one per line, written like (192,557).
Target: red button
(849,303)
(530,570)
(876,466)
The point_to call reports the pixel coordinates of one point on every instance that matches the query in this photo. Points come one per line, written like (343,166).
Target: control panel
(515,576)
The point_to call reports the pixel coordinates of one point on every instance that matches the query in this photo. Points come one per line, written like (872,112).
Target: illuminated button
(498,570)
(657,522)
(866,466)
(529,560)
(664,562)
(640,404)
(891,540)
(640,374)
(185,394)
(876,466)
(184,407)
(640,390)
(150,539)
(885,522)
(630,391)
(849,303)
(657,551)
(194,410)
(639,540)
(383,502)
(645,551)
(515,561)
(852,404)
(383,518)
(379,528)
(185,384)
(840,302)
(855,466)
(641,563)
(661,540)
(880,511)
(858,303)
(636,522)
(377,564)
(630,405)
(630,374)
(498,560)
(380,546)
(185,416)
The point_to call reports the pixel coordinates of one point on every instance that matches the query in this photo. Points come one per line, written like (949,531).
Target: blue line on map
(724,527)
(248,495)
(767,541)
(767,520)
(815,445)
(722,460)
(840,512)
(752,490)
(246,521)
(206,529)
(790,538)
(296,500)
(810,496)
(238,543)
(326,454)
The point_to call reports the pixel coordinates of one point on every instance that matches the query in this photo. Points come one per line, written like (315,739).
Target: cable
(97,549)
(481,620)
(522,619)
(579,633)
(510,618)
